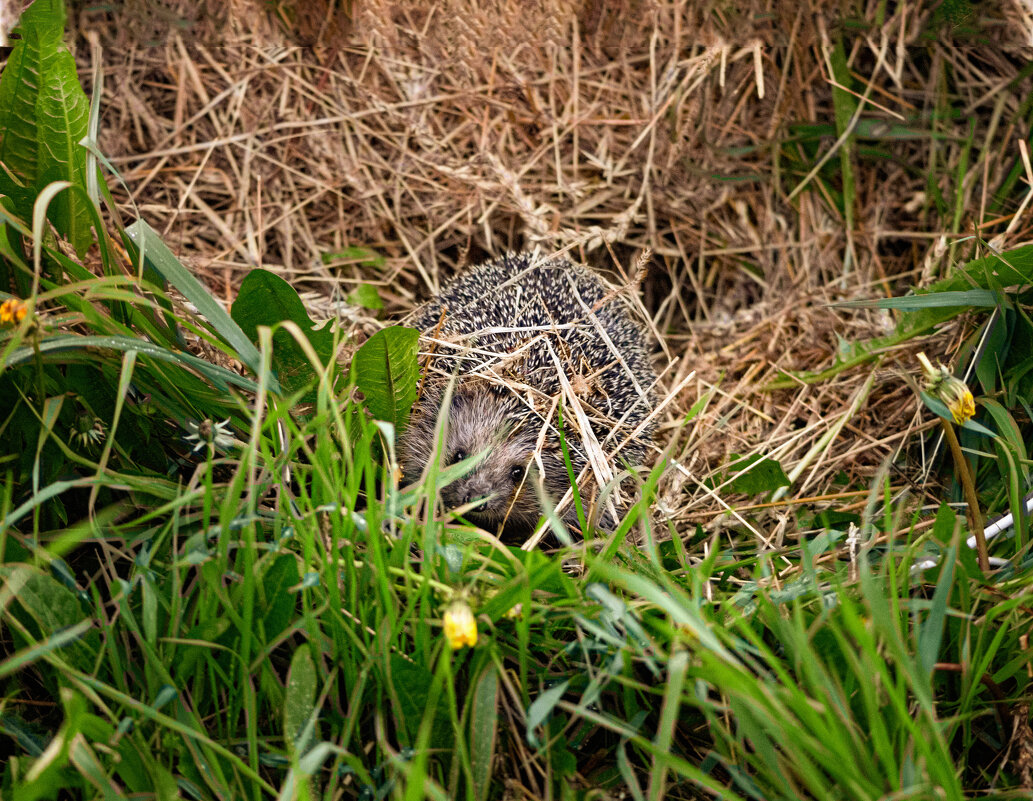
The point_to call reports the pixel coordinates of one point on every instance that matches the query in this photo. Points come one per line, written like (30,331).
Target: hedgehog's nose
(472,490)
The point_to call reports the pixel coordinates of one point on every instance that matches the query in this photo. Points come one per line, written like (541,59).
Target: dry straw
(437,134)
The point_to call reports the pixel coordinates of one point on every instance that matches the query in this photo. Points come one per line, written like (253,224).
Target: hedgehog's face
(500,485)
(482,421)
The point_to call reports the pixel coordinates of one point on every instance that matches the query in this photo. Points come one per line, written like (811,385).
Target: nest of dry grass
(439,134)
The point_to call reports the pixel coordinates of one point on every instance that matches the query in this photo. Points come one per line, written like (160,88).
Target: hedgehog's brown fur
(503,326)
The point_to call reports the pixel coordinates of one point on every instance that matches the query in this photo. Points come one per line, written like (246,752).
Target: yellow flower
(952,391)
(958,399)
(460,626)
(13,310)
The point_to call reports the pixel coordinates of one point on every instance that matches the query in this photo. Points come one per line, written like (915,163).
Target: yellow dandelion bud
(959,399)
(460,626)
(13,310)
(952,391)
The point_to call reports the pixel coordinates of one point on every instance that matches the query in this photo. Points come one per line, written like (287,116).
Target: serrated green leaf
(387,371)
(62,120)
(44,115)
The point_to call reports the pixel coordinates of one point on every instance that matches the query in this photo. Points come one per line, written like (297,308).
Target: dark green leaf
(994,354)
(281,575)
(412,684)
(45,607)
(266,299)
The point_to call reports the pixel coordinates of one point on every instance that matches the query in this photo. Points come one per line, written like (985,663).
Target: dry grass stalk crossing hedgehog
(522,335)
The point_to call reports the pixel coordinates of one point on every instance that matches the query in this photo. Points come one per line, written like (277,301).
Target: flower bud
(460,626)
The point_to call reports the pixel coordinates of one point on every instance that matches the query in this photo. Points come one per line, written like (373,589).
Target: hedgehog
(504,331)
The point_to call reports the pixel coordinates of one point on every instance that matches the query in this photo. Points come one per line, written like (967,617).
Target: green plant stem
(971,499)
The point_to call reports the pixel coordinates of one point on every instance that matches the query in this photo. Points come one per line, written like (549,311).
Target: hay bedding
(438,134)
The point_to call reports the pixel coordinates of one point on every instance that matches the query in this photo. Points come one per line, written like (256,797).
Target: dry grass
(439,134)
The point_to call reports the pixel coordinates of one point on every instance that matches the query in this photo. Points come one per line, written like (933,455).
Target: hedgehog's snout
(467,489)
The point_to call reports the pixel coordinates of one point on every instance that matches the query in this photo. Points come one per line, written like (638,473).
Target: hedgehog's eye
(457,456)
(516,472)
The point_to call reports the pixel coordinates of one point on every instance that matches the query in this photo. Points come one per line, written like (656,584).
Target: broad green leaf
(35,652)
(41,28)
(757,474)
(366,295)
(45,607)
(209,630)
(62,118)
(44,115)
(1011,268)
(18,87)
(280,575)
(386,370)
(266,299)
(484,719)
(300,701)
(411,683)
